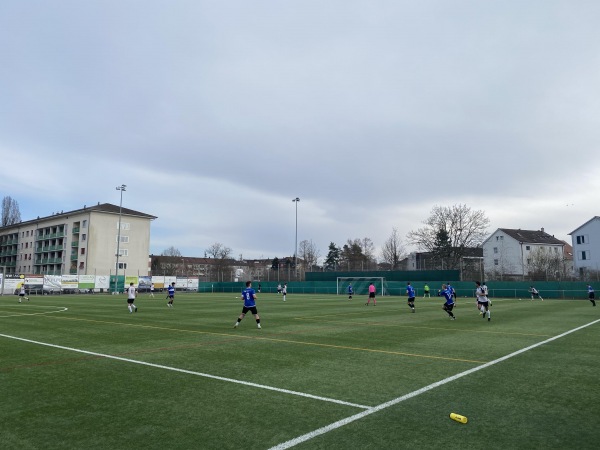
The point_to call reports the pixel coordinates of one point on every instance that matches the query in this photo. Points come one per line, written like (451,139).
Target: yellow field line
(414,326)
(316,344)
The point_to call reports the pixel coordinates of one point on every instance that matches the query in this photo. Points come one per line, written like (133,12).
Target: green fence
(503,289)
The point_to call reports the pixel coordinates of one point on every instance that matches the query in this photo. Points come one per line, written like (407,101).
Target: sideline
(346,421)
(189,372)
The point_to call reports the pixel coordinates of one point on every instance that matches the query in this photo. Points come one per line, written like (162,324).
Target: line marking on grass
(288,341)
(189,372)
(35,314)
(395,325)
(347,420)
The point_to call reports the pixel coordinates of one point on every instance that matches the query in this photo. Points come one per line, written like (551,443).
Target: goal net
(360,285)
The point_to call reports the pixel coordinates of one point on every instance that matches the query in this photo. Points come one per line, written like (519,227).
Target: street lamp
(121,188)
(296,200)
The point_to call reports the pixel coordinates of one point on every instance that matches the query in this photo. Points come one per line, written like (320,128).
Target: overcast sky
(216,114)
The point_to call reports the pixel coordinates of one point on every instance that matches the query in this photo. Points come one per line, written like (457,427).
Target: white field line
(190,372)
(347,420)
(35,314)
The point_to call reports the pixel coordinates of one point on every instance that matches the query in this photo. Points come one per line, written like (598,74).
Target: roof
(581,226)
(100,207)
(532,236)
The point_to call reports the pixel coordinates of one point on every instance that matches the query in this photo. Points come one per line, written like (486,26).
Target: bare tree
(222,261)
(393,250)
(309,253)
(460,226)
(544,265)
(171,251)
(11,213)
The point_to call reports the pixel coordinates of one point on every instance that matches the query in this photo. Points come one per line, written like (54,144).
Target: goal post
(360,285)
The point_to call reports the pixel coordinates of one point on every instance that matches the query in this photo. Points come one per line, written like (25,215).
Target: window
(495,249)
(501,238)
(26,244)
(582,239)
(528,247)
(83,237)
(584,255)
(528,261)
(84,224)
(555,249)
(124,226)
(83,251)
(27,233)
(81,265)
(124,239)
(122,265)
(123,252)
(495,262)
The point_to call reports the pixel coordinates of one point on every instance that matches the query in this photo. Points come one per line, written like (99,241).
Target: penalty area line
(347,420)
(190,372)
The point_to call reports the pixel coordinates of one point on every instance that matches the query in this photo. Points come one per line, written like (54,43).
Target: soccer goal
(360,285)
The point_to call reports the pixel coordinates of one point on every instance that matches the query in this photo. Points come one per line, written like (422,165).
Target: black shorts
(21,295)
(252,309)
(130,300)
(448,307)
(411,299)
(591,296)
(371,294)
(486,304)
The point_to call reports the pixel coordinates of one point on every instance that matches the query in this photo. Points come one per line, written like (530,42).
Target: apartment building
(82,242)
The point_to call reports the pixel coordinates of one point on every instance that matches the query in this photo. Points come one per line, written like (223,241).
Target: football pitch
(324,372)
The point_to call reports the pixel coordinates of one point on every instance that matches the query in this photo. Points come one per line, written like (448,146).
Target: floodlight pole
(296,201)
(121,188)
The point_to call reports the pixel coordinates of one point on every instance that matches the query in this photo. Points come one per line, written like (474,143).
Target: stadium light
(296,200)
(121,188)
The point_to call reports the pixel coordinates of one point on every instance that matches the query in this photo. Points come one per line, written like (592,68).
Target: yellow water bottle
(458,418)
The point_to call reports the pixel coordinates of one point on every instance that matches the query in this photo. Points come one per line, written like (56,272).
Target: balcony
(76,230)
(75,244)
(73,271)
(74,257)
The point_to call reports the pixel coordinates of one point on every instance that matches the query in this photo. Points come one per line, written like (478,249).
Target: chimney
(542,229)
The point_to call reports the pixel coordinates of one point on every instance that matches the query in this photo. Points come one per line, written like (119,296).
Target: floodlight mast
(121,188)
(296,201)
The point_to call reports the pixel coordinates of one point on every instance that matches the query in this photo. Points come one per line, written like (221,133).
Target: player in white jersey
(483,303)
(131,291)
(22,293)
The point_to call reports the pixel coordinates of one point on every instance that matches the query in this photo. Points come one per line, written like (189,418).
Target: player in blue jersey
(350,291)
(249,297)
(410,291)
(449,304)
(171,294)
(591,295)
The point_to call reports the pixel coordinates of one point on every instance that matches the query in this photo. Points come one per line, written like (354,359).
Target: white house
(586,246)
(510,253)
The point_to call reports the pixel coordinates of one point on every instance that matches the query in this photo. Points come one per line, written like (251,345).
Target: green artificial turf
(323,346)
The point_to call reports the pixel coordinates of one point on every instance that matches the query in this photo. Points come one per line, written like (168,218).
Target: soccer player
(171,294)
(535,293)
(410,291)
(249,297)
(483,303)
(131,291)
(350,291)
(284,291)
(22,293)
(426,291)
(449,303)
(591,295)
(371,295)
(279,288)
(152,290)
